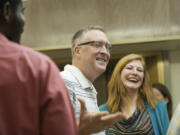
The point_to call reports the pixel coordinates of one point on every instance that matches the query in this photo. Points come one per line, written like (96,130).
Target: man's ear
(7,11)
(77,50)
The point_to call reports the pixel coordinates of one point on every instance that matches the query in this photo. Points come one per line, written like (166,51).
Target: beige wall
(174,60)
(51,23)
(132,25)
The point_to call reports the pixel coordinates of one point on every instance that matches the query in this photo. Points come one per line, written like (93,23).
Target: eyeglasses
(98,45)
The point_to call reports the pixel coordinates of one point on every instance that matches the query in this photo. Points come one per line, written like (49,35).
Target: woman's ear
(7,11)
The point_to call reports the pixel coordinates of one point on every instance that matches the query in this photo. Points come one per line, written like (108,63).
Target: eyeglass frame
(107,45)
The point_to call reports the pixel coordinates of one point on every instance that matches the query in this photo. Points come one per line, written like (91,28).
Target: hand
(95,122)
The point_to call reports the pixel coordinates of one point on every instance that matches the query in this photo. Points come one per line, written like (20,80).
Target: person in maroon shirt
(33,98)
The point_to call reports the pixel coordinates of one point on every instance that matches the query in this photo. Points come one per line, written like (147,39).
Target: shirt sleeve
(71,90)
(174,127)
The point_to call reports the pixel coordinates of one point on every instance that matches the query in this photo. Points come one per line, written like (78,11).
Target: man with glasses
(90,56)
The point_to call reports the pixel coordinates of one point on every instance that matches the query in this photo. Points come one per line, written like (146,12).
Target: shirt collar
(83,81)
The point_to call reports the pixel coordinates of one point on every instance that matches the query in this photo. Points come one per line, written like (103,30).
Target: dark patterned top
(138,124)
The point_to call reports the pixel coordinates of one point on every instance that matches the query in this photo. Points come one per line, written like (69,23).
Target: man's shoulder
(36,61)
(35,58)
(23,54)
(68,78)
(34,54)
(67,74)
(19,51)
(22,50)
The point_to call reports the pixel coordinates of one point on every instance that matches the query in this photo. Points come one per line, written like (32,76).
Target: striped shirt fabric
(79,86)
(138,124)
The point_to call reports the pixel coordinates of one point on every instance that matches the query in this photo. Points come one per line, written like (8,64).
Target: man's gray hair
(80,33)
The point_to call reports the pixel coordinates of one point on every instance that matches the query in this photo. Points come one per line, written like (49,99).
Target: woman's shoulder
(104,107)
(160,104)
(160,109)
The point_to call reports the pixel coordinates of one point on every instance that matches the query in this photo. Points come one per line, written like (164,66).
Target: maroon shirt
(33,98)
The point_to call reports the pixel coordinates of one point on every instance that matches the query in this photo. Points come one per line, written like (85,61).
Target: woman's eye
(140,70)
(128,67)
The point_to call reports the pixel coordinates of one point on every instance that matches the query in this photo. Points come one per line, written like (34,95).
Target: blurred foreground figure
(33,97)
(174,127)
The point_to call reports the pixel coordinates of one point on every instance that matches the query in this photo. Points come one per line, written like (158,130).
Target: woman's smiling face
(132,75)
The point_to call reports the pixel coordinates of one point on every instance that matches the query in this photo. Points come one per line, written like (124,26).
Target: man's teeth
(100,59)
